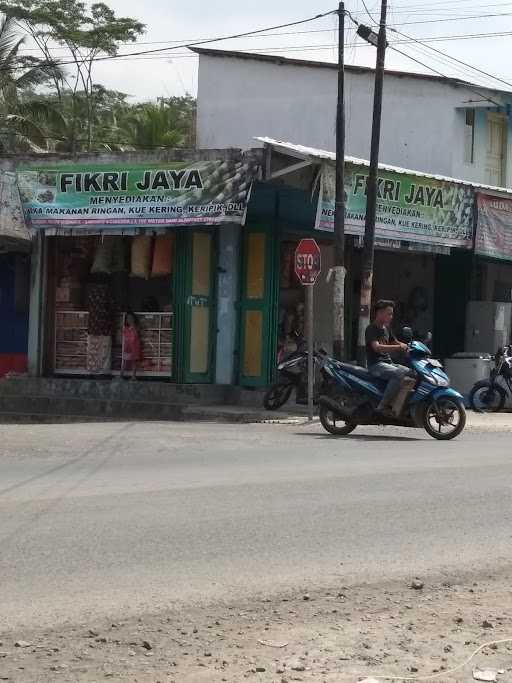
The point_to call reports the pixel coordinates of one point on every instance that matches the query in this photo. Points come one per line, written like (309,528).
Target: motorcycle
(425,400)
(292,374)
(488,396)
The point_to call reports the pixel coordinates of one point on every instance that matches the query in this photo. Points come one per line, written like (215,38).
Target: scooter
(292,371)
(488,396)
(351,396)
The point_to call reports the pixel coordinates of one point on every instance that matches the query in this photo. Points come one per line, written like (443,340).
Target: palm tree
(22,114)
(165,123)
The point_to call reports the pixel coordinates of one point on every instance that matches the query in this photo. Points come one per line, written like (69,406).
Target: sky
(169,22)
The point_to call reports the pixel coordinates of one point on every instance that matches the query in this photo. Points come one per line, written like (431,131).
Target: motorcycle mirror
(407,335)
(428,338)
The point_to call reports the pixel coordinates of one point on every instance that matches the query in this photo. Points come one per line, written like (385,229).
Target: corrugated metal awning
(320,156)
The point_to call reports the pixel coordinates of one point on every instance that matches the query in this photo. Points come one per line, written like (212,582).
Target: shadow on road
(360,437)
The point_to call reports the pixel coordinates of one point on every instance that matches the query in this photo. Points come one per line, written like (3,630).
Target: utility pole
(371,200)
(339,270)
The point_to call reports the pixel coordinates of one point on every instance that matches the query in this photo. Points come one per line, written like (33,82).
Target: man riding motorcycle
(380,346)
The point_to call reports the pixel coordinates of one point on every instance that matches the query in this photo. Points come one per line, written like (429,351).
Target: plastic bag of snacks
(141,256)
(163,253)
(103,258)
(120,259)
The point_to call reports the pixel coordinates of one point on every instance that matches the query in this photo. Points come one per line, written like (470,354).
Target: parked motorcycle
(488,395)
(292,374)
(426,400)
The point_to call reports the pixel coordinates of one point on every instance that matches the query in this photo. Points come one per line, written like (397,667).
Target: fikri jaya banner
(183,193)
(494,229)
(409,208)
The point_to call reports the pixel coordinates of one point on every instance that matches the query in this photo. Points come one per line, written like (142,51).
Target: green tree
(87,33)
(68,126)
(168,122)
(22,116)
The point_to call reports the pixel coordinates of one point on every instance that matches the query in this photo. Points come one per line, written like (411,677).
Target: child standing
(131,345)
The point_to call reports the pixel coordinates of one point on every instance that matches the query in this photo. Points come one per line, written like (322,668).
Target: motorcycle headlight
(437,380)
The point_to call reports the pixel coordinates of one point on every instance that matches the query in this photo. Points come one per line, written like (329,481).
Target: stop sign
(308,261)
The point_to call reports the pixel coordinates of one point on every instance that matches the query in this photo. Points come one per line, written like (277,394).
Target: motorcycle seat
(357,370)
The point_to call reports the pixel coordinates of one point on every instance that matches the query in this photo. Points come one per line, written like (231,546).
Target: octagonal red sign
(308,261)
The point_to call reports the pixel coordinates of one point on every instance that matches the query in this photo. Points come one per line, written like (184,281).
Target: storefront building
(150,236)
(425,256)
(489,323)
(15,246)
(200,247)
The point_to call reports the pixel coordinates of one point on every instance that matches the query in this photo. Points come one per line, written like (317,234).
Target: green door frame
(266,305)
(186,302)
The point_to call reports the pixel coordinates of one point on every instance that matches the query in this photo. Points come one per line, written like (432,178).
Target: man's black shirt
(375,333)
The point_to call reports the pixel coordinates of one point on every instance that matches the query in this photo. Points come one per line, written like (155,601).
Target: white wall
(423,121)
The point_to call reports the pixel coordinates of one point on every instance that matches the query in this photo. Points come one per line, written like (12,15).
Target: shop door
(258,304)
(199,309)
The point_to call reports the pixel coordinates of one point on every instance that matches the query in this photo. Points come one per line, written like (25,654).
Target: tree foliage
(52,103)
(87,32)
(21,114)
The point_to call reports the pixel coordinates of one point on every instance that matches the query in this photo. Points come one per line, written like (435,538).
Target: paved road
(96,519)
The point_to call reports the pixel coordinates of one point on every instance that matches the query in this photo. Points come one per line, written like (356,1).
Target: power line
(326,46)
(430,68)
(170,43)
(428,8)
(368,12)
(459,61)
(464,18)
(293,33)
(54,63)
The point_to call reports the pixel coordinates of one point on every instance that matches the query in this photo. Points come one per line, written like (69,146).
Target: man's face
(385,316)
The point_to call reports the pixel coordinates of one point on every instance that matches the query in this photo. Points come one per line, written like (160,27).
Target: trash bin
(466,369)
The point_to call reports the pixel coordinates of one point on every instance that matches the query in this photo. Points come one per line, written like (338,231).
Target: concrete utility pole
(339,270)
(371,201)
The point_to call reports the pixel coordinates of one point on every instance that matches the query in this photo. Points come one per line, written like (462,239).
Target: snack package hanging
(103,257)
(120,254)
(163,254)
(141,256)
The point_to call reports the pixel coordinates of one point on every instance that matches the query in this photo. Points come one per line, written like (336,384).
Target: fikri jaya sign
(182,193)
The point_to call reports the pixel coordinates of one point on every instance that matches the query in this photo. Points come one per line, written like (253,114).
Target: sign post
(308,265)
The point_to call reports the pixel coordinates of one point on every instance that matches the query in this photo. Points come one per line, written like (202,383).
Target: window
(469,137)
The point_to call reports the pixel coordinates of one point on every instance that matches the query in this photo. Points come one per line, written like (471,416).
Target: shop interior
(408,279)
(404,277)
(94,281)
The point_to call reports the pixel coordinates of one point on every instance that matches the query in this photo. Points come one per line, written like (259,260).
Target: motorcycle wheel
(487,398)
(334,424)
(444,419)
(277,396)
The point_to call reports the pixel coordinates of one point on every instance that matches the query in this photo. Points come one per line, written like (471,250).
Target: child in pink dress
(132,351)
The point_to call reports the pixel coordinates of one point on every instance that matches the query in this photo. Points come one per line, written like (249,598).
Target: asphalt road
(109,518)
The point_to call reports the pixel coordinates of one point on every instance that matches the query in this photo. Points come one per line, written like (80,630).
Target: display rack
(156,332)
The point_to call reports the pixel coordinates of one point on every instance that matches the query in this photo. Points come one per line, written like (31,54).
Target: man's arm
(388,348)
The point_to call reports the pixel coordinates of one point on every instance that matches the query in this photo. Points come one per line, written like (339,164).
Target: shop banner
(410,208)
(182,193)
(494,228)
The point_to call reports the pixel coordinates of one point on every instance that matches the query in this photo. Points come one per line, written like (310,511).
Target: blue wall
(14,291)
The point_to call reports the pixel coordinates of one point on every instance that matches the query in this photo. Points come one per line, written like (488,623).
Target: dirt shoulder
(343,634)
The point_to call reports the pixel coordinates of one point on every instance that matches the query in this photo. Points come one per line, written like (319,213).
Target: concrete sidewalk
(298,415)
